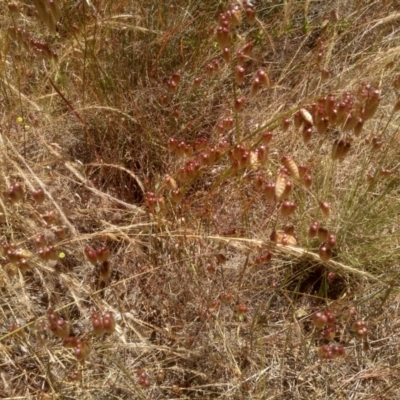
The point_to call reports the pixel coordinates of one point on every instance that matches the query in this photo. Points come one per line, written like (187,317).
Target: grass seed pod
(338,351)
(103,253)
(289,163)
(332,117)
(325,208)
(250,15)
(60,328)
(313,230)
(322,126)
(97,324)
(197,82)
(259,182)
(239,74)
(82,351)
(266,138)
(280,186)
(307,134)
(297,120)
(177,196)
(285,124)
(236,15)
(319,319)
(109,322)
(70,342)
(329,333)
(287,208)
(372,104)
(325,352)
(210,69)
(331,242)
(307,117)
(307,181)
(264,78)
(247,48)
(91,255)
(223,37)
(38,195)
(170,182)
(239,103)
(324,252)
(269,190)
(323,234)
(255,86)
(358,127)
(283,238)
(240,58)
(262,154)
(289,229)
(226,55)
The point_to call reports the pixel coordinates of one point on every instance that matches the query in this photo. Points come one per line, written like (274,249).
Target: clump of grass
(199,200)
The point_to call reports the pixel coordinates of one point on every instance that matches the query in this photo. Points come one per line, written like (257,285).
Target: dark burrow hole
(309,278)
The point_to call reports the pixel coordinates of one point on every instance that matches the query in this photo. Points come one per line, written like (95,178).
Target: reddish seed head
(70,342)
(239,103)
(240,58)
(330,333)
(223,38)
(241,308)
(331,276)
(323,234)
(287,208)
(297,119)
(197,82)
(228,123)
(226,54)
(103,254)
(289,229)
(109,322)
(38,195)
(247,49)
(325,208)
(210,69)
(172,144)
(269,191)
(307,181)
(82,350)
(91,255)
(331,242)
(319,319)
(330,316)
(255,87)
(239,74)
(285,124)
(211,269)
(263,78)
(250,15)
(176,77)
(266,138)
(325,253)
(307,134)
(172,86)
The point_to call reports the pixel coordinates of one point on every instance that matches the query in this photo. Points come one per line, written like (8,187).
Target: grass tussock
(199,199)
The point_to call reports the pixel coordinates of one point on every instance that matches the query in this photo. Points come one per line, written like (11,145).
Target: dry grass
(206,304)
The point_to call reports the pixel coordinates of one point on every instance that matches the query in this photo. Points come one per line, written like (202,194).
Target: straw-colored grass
(211,298)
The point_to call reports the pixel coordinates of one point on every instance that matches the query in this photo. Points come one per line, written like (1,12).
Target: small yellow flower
(61,255)
(19,119)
